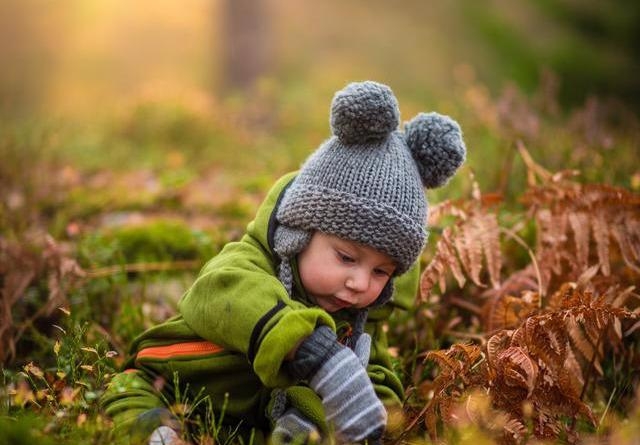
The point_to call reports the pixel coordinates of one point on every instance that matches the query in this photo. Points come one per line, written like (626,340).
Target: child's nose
(358,281)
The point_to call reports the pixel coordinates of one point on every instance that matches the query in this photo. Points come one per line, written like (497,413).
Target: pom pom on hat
(437,147)
(363,112)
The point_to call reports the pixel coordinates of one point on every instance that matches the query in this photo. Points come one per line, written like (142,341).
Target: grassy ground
(104,225)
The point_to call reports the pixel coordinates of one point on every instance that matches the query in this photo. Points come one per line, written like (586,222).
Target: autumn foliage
(544,333)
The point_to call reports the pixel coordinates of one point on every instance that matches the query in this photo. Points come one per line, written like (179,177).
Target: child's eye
(345,258)
(381,272)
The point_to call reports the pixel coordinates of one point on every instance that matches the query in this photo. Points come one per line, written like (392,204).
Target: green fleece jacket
(236,324)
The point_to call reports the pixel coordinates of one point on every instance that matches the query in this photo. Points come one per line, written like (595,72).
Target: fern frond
(574,369)
(470,250)
(506,312)
(601,237)
(596,215)
(628,243)
(518,368)
(449,256)
(460,250)
(435,271)
(496,344)
(489,232)
(579,222)
(582,344)
(514,431)
(443,359)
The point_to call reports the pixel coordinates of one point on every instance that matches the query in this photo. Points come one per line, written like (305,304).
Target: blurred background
(207,98)
(90,56)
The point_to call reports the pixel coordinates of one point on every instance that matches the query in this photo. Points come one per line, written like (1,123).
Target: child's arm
(238,303)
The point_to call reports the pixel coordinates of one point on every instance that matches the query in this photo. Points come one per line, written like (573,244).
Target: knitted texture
(293,428)
(362,349)
(339,376)
(366,111)
(348,397)
(364,184)
(163,435)
(313,351)
(436,145)
(287,242)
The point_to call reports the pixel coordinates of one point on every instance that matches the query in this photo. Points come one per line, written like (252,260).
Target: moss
(158,240)
(26,430)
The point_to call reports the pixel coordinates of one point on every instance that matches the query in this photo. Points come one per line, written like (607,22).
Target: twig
(507,167)
(534,262)
(101,272)
(587,379)
(464,304)
(606,409)
(470,335)
(412,424)
(532,166)
(115,343)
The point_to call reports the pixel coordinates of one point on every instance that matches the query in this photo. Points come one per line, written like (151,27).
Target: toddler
(281,333)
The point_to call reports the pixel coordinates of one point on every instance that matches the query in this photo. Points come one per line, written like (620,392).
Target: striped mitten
(293,428)
(337,375)
(163,435)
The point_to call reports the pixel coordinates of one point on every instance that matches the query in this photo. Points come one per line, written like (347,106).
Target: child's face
(338,274)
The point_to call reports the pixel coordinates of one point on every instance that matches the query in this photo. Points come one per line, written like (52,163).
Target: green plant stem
(606,409)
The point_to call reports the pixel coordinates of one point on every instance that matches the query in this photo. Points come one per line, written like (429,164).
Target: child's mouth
(335,301)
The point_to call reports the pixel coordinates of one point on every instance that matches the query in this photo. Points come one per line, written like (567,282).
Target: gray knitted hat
(365,183)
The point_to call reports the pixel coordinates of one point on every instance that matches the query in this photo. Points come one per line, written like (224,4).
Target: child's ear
(436,144)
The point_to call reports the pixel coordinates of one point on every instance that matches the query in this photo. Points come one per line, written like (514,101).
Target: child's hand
(339,377)
(349,399)
(363,349)
(163,435)
(293,428)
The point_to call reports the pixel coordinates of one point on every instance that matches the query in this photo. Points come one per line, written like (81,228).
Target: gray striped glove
(159,425)
(163,435)
(338,376)
(293,428)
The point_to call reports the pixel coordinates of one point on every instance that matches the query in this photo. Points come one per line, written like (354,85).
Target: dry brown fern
(456,374)
(546,339)
(578,224)
(534,374)
(542,348)
(23,265)
(465,247)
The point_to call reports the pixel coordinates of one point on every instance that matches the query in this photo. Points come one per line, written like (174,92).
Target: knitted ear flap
(287,243)
(437,147)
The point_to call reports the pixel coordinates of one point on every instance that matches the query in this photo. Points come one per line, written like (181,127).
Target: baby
(282,331)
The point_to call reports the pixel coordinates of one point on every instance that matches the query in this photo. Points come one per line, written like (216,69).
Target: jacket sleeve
(238,302)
